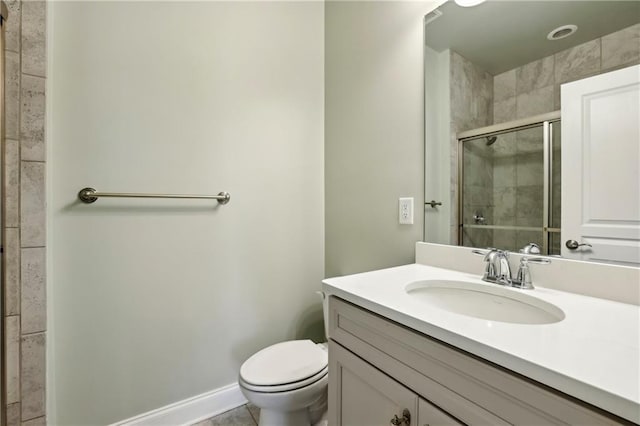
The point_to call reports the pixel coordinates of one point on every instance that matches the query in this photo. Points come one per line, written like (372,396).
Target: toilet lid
(285,362)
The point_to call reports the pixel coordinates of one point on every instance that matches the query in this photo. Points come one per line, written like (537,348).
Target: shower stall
(509,185)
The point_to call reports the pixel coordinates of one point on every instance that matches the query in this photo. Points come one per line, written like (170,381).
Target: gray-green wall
(374,134)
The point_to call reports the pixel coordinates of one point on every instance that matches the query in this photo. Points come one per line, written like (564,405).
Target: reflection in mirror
(493,120)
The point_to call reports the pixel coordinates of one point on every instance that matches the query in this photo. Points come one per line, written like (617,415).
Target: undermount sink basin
(487,302)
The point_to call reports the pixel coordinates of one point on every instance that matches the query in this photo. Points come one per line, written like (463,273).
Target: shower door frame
(546,120)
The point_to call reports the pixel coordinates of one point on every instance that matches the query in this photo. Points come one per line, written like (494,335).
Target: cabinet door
(430,415)
(360,395)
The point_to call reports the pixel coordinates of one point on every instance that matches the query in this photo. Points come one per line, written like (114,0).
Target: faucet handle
(483,252)
(531,248)
(523,277)
(488,253)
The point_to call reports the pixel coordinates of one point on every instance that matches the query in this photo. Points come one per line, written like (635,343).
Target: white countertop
(593,354)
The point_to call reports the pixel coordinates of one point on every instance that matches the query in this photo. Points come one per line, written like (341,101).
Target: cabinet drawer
(430,415)
(469,388)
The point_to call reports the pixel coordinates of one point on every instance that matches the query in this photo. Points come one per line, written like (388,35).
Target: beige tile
(538,101)
(504,210)
(478,196)
(529,205)
(477,169)
(12,183)
(471,94)
(504,110)
(38,421)
(33,376)
(206,422)
(255,412)
(504,86)
(33,38)
(13,414)
(504,172)
(578,62)
(32,110)
(557,104)
(12,95)
(237,417)
(12,271)
(621,48)
(529,169)
(535,75)
(530,141)
(480,238)
(33,291)
(12,26)
(32,204)
(12,362)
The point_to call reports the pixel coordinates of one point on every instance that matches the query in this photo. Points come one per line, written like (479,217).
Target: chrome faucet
(497,269)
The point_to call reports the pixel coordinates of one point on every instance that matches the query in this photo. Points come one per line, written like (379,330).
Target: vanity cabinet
(378,369)
(366,396)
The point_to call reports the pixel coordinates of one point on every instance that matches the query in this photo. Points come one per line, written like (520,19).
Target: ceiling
(502,35)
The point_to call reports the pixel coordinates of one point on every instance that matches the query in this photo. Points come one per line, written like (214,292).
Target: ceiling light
(468,3)
(562,32)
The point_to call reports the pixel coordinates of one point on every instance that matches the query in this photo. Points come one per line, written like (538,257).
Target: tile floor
(245,415)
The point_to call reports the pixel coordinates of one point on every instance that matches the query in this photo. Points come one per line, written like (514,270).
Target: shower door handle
(573,244)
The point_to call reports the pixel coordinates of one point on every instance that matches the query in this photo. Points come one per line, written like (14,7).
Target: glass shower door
(505,195)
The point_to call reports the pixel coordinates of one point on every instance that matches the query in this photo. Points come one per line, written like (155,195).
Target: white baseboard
(191,410)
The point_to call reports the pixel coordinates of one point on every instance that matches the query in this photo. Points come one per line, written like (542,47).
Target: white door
(600,167)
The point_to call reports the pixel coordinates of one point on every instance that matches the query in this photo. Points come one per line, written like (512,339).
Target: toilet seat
(284,366)
(286,386)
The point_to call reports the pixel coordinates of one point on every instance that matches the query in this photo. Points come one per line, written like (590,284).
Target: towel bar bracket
(86,195)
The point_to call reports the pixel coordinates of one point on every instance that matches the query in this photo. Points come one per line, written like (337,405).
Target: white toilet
(288,382)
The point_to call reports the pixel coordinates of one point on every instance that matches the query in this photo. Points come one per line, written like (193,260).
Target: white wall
(152,301)
(374,112)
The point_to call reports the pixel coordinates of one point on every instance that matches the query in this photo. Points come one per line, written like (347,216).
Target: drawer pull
(405,420)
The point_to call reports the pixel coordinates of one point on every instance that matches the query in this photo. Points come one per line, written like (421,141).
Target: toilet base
(284,418)
(315,415)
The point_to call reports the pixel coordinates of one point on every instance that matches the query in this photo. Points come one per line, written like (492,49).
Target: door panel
(601,167)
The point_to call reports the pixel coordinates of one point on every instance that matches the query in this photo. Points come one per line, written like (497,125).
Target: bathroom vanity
(400,353)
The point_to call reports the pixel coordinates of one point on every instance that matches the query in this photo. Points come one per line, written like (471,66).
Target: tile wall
(471,100)
(534,88)
(24,307)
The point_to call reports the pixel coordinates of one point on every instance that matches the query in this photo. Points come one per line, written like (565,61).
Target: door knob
(405,420)
(573,244)
(434,203)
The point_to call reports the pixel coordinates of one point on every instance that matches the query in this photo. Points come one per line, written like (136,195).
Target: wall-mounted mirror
(504,80)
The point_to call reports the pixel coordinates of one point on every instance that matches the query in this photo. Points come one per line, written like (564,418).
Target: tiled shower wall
(534,88)
(471,103)
(24,307)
